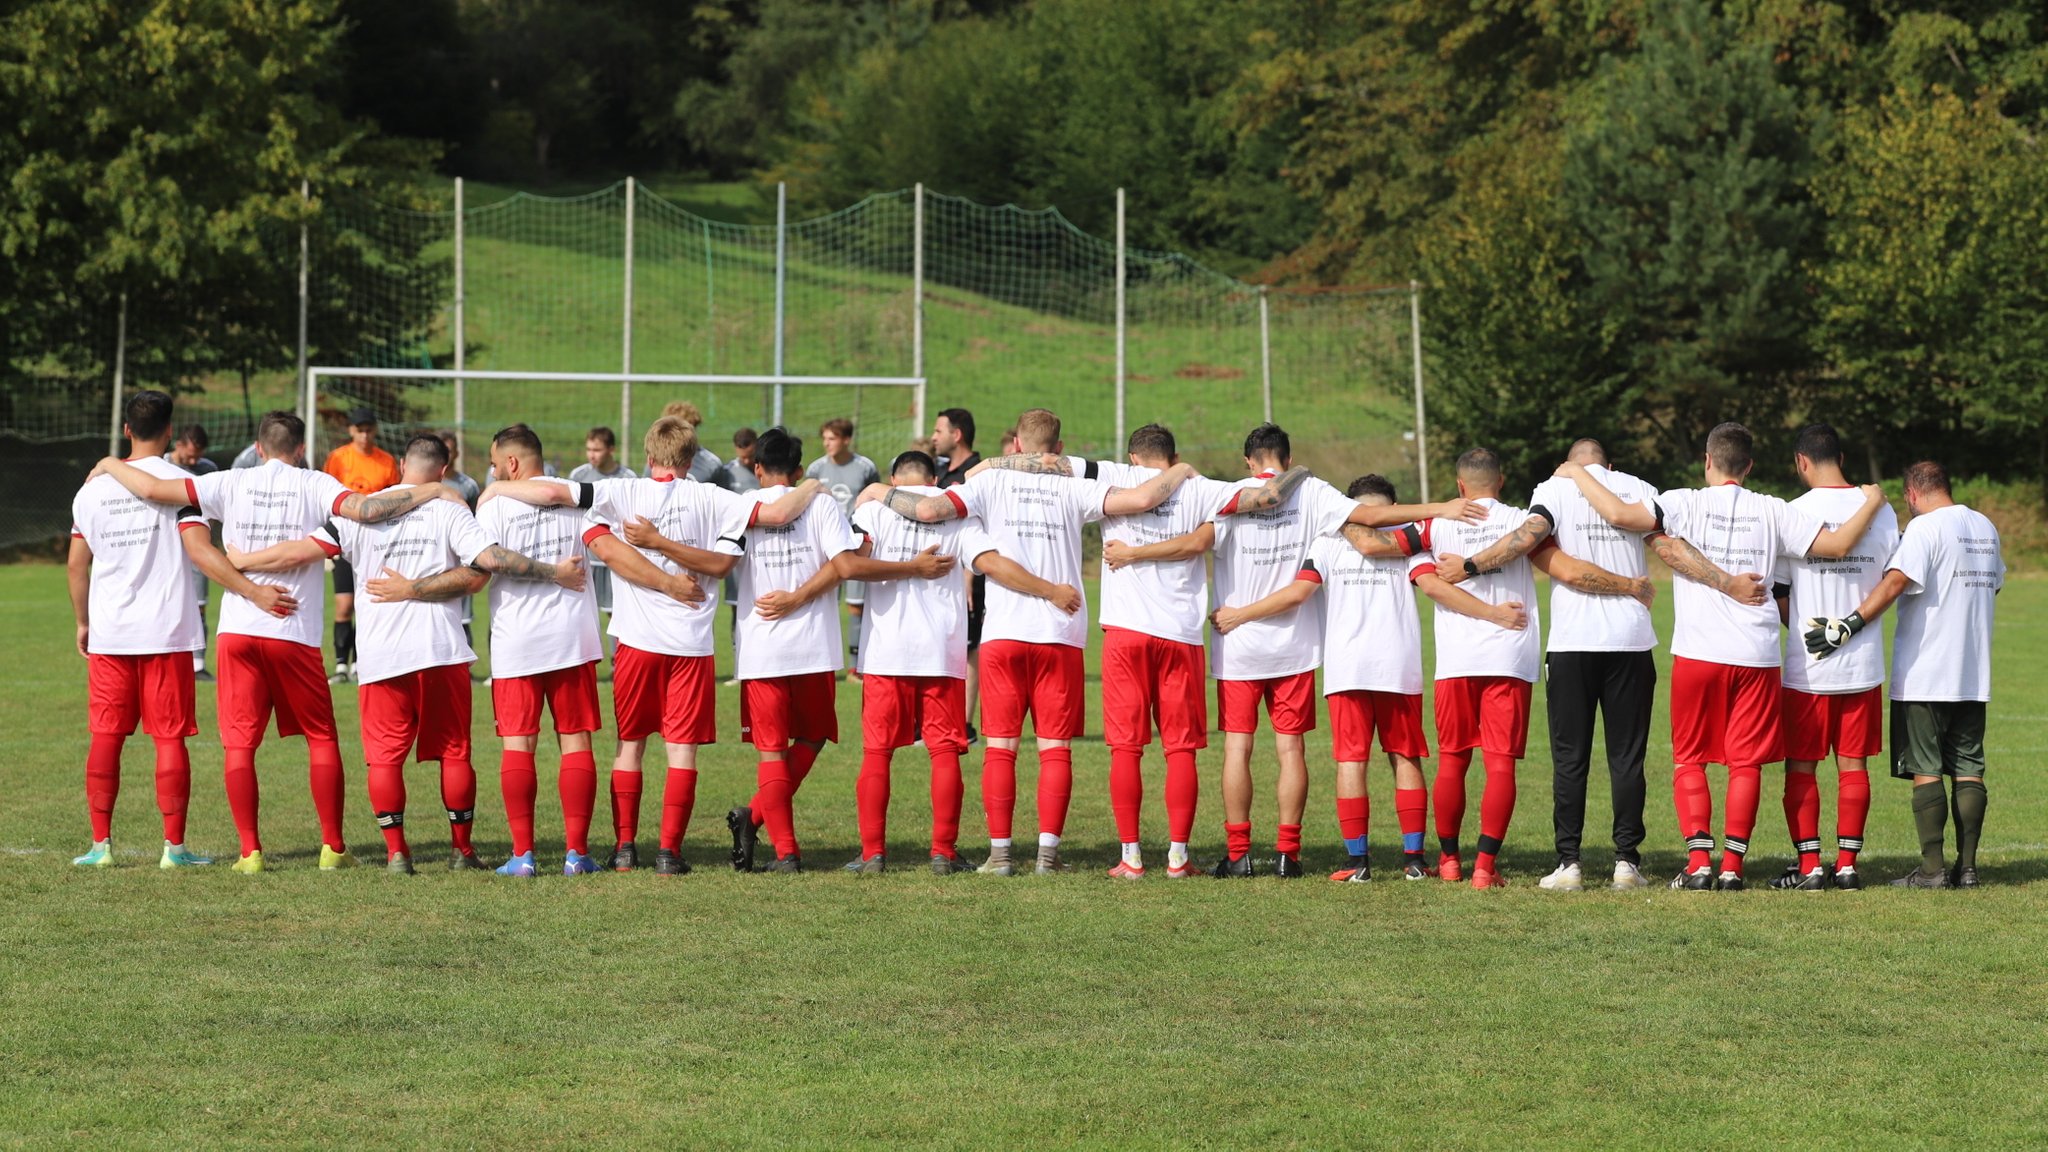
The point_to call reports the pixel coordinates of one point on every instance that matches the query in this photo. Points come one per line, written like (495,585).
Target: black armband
(1781,591)
(1092,470)
(586,495)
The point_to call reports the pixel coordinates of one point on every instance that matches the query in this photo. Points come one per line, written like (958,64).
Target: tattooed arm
(1042,464)
(1686,560)
(389,505)
(1590,578)
(1271,494)
(1377,543)
(1149,495)
(1511,547)
(926,509)
(452,584)
(505,562)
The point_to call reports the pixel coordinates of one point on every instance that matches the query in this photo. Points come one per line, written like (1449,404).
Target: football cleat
(1448,868)
(1125,870)
(467,862)
(1359,871)
(1918,879)
(333,861)
(1730,882)
(1049,862)
(577,864)
(667,863)
(1482,878)
(997,865)
(249,864)
(1414,869)
(944,865)
(625,856)
(100,855)
(1568,877)
(180,857)
(1234,868)
(1963,877)
(740,822)
(1628,877)
(785,865)
(1793,880)
(398,864)
(520,865)
(1700,879)
(1848,879)
(1185,870)
(874,865)
(1288,866)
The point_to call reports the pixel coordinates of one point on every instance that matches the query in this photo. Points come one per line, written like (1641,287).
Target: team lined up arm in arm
(1678,555)
(374,509)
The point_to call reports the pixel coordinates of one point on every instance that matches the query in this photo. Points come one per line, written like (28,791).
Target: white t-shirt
(1169,600)
(538,625)
(1257,554)
(141,598)
(781,559)
(394,637)
(1580,621)
(1036,521)
(1942,649)
(1469,647)
(272,503)
(1372,636)
(695,515)
(1831,589)
(916,627)
(1738,531)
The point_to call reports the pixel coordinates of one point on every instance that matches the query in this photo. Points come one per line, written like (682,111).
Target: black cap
(358,416)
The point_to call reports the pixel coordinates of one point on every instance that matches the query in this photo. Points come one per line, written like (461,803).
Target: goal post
(888,412)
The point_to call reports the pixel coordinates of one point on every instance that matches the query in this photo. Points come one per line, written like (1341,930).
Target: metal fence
(998,308)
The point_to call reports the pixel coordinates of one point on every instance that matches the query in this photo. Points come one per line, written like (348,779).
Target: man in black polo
(953,443)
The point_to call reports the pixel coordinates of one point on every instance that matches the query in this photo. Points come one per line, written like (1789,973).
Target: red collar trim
(1730,484)
(1265,476)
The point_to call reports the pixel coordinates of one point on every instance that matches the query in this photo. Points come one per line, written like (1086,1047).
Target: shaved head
(1587,451)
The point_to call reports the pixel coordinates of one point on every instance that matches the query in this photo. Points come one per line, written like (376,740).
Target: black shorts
(344,577)
(979,612)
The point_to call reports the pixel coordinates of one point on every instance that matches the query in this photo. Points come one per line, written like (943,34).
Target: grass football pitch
(306,1009)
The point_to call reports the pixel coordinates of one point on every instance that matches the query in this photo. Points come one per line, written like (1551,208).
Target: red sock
(1237,839)
(1852,808)
(1055,789)
(1744,786)
(458,795)
(678,799)
(1802,817)
(1183,792)
(387,799)
(240,778)
(1354,813)
(173,786)
(798,761)
(1411,808)
(1126,790)
(1450,797)
(1496,809)
(999,790)
(1695,805)
(771,803)
(1288,840)
(519,782)
(625,805)
(947,788)
(578,788)
(871,798)
(103,782)
(324,775)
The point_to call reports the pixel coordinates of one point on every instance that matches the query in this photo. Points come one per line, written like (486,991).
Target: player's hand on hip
(684,589)
(640,532)
(1747,588)
(1116,554)
(1511,616)
(1643,591)
(929,565)
(1066,598)
(275,600)
(776,605)
(392,585)
(569,573)
(1451,569)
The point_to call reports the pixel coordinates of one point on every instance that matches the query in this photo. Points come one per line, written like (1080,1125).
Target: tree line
(1633,218)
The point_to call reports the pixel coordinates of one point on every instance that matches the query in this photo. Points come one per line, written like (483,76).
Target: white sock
(1002,844)
(170,847)
(1048,840)
(1177,854)
(1132,856)
(107,844)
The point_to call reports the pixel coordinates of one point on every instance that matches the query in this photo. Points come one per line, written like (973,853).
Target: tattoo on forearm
(1688,562)
(903,503)
(384,505)
(1361,537)
(1522,541)
(1274,492)
(1601,582)
(505,562)
(442,586)
(1037,464)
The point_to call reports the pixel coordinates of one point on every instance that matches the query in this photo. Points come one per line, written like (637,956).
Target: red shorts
(1290,703)
(1354,715)
(1723,714)
(570,694)
(1490,713)
(154,688)
(781,709)
(1851,724)
(261,675)
(1147,680)
(1046,680)
(672,695)
(427,710)
(896,710)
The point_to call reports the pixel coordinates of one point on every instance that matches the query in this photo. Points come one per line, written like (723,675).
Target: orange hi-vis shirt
(362,474)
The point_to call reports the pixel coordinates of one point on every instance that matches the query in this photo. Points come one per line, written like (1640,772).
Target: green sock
(1930,816)
(1970,798)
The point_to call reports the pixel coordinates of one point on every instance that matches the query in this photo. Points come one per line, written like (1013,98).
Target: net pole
(305,268)
(626,352)
(917,309)
(459,398)
(120,376)
(1265,356)
(710,304)
(781,266)
(1421,424)
(1121,320)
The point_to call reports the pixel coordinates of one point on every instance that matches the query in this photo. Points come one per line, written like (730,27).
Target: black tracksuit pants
(1621,685)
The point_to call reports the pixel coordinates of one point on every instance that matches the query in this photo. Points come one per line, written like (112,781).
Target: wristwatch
(1471,569)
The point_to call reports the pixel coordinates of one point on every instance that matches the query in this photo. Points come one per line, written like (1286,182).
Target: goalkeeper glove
(1824,637)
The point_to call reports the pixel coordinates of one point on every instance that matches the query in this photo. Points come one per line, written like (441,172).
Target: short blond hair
(671,443)
(1038,430)
(685,411)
